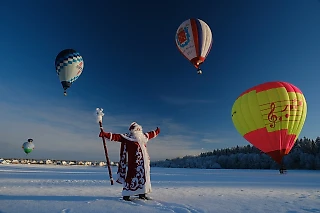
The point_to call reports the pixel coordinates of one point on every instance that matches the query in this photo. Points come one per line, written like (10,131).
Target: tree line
(305,154)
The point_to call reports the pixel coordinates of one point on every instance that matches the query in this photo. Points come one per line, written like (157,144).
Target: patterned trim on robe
(122,167)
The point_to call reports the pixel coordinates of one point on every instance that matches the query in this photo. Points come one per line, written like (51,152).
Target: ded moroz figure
(134,155)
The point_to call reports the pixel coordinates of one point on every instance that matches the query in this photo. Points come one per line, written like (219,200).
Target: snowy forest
(304,155)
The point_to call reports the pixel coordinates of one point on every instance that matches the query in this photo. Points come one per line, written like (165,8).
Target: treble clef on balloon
(271,116)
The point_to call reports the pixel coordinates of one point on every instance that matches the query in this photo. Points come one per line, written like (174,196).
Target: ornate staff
(100,114)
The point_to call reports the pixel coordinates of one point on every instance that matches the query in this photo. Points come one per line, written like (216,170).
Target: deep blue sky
(134,71)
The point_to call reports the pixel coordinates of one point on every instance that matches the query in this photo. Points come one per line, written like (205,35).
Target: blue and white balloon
(69,66)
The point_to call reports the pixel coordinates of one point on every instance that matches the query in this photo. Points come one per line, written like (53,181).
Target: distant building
(80,163)
(15,161)
(88,163)
(102,163)
(3,161)
(48,161)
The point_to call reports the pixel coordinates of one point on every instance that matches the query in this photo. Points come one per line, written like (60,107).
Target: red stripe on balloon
(195,35)
(273,85)
(277,148)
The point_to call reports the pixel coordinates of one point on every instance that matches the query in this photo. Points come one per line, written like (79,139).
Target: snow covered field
(81,189)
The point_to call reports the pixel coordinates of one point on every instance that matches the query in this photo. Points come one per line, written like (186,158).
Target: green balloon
(28,150)
(28,147)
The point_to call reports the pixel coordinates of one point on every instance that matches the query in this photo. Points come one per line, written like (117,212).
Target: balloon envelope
(270,116)
(194,40)
(28,147)
(69,65)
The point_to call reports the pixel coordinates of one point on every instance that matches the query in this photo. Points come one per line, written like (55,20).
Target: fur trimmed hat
(133,126)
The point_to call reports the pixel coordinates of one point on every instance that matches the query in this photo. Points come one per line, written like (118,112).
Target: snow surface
(82,189)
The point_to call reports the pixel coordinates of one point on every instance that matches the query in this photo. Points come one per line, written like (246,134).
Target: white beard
(141,138)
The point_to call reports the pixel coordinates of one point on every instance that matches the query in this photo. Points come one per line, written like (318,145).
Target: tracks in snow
(164,206)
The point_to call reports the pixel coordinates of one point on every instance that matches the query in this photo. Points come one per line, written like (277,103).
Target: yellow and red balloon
(270,116)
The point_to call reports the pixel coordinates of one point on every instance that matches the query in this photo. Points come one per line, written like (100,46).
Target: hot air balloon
(28,146)
(271,116)
(194,41)
(69,66)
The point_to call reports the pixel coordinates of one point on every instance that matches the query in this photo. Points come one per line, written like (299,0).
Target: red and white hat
(134,126)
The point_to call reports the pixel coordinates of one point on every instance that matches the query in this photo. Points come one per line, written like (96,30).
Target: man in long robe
(134,154)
